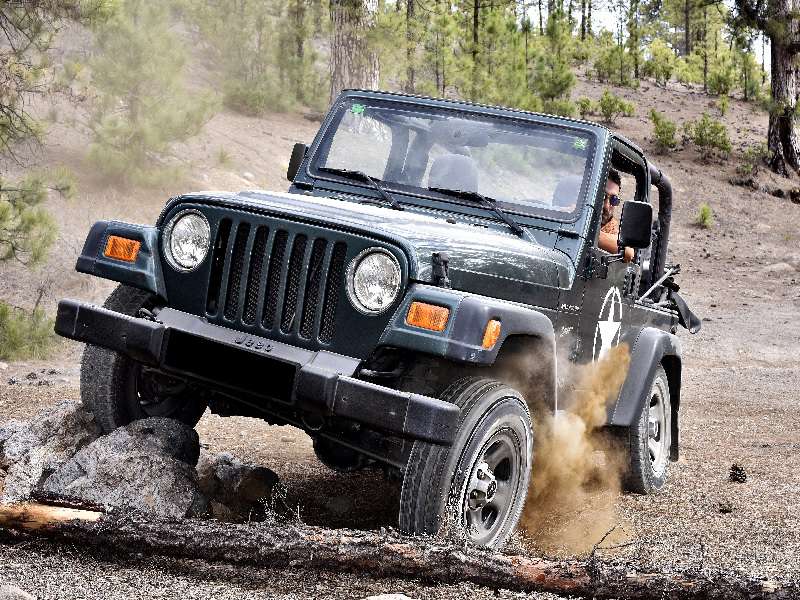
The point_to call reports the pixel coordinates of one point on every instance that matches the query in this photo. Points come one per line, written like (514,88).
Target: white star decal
(608,328)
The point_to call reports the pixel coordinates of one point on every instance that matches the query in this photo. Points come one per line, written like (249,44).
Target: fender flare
(651,347)
(145,273)
(462,338)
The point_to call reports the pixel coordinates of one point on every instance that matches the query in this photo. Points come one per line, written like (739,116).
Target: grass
(25,335)
(224,158)
(705,217)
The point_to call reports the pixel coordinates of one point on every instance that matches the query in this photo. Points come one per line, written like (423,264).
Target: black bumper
(311,381)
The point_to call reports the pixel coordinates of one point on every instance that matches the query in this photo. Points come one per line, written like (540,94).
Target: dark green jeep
(382,305)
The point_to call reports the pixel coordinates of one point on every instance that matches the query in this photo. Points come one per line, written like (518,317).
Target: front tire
(475,489)
(118,390)
(649,439)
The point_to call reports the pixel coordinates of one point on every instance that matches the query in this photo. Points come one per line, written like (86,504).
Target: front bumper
(309,381)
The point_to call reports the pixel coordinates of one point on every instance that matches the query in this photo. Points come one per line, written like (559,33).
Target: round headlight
(373,280)
(186,240)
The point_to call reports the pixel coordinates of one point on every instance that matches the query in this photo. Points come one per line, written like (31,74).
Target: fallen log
(383,554)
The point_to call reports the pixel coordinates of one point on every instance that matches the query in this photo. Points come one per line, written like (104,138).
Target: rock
(3,366)
(146,467)
(242,488)
(737,474)
(249,176)
(779,268)
(9,592)
(794,195)
(35,449)
(389,597)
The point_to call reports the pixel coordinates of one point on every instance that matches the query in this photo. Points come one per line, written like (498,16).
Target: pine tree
(27,29)
(144,105)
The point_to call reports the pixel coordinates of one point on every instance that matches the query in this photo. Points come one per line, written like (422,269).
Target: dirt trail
(740,401)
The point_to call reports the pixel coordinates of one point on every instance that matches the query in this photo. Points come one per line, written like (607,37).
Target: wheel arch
(652,347)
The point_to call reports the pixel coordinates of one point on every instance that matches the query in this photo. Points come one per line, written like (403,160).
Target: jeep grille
(291,282)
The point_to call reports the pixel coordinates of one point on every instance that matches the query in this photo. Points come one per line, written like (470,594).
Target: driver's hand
(628,255)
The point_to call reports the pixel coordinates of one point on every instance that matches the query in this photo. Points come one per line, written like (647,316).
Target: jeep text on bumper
(319,381)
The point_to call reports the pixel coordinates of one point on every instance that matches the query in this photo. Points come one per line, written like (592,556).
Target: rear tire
(648,440)
(118,390)
(476,488)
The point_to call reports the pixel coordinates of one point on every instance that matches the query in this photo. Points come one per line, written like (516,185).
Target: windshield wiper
(350,174)
(491,204)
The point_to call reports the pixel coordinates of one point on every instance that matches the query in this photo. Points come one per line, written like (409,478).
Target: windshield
(527,167)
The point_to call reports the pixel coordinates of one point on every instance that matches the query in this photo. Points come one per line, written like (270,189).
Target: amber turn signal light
(428,316)
(122,248)
(491,334)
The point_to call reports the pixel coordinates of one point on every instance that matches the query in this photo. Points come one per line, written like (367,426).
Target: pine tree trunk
(583,20)
(541,21)
(298,12)
(589,19)
(353,63)
(705,49)
(410,71)
(781,136)
(476,12)
(687,13)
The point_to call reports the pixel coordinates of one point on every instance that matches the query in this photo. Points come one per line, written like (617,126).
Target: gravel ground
(740,400)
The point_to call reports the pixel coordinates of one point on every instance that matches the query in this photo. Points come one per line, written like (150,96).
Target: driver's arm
(608,242)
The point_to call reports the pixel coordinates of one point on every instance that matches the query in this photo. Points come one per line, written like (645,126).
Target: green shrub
(722,75)
(723,104)
(705,216)
(586,107)
(24,335)
(709,135)
(663,132)
(254,99)
(612,106)
(689,70)
(613,62)
(563,107)
(752,159)
(661,63)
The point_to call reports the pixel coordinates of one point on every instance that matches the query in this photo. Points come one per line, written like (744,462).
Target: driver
(609,224)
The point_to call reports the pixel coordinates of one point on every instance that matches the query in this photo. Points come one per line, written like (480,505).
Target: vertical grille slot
(217,266)
(293,283)
(254,278)
(313,280)
(332,287)
(235,276)
(274,279)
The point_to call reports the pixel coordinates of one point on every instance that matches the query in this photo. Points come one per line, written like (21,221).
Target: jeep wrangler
(382,304)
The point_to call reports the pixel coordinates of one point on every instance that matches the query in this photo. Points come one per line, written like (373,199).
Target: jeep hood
(475,252)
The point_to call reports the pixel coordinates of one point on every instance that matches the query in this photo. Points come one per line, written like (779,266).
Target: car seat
(565,196)
(454,172)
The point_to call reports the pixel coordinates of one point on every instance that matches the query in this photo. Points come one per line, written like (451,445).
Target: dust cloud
(577,469)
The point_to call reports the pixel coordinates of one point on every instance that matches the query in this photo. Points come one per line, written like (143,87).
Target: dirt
(740,397)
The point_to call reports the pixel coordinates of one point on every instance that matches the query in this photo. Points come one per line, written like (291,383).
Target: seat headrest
(566,193)
(455,172)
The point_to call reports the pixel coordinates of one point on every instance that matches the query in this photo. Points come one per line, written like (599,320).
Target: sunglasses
(613,199)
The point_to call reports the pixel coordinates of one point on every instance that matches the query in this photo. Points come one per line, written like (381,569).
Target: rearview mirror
(635,225)
(298,154)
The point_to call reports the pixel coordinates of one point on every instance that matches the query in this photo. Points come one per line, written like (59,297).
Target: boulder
(238,491)
(10,592)
(31,451)
(146,467)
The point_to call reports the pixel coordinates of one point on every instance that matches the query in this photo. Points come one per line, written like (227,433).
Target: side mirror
(635,225)
(298,154)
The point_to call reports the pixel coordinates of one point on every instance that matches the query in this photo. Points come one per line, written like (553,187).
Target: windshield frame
(597,138)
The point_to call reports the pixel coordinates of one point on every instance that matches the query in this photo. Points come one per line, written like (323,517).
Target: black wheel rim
(148,398)
(492,487)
